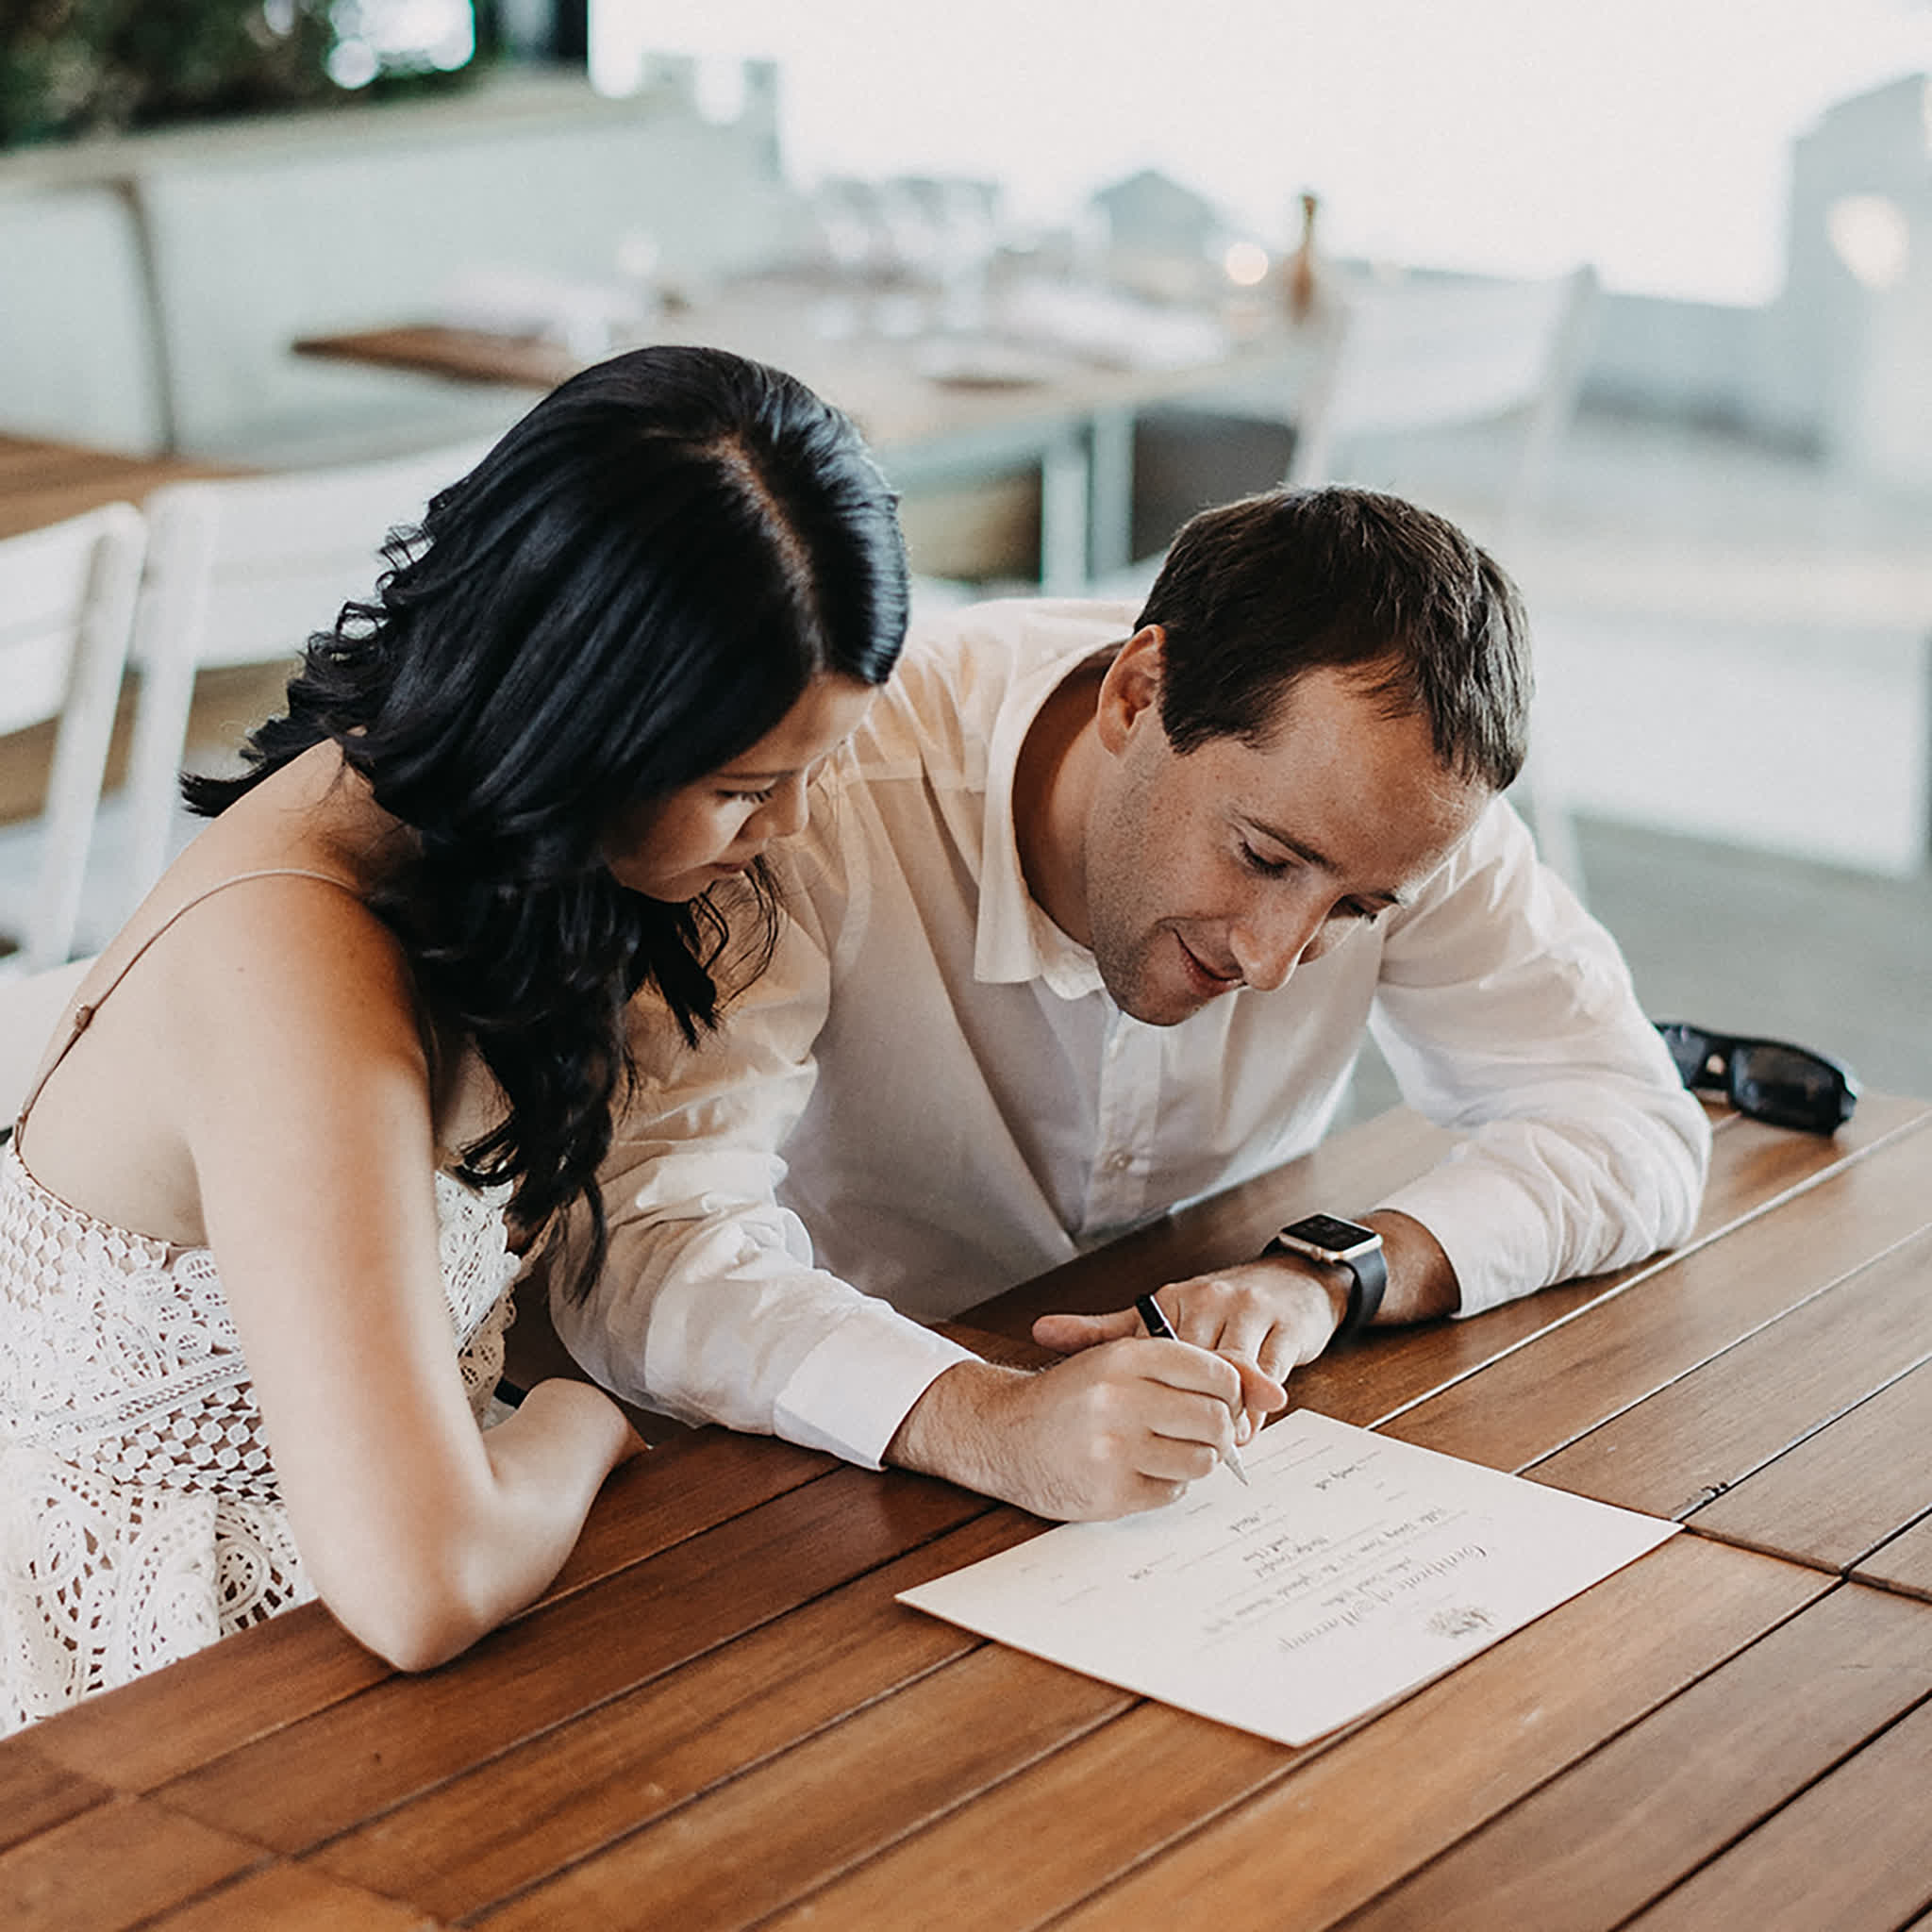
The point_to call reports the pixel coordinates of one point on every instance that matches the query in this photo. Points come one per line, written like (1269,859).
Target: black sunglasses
(1788,1086)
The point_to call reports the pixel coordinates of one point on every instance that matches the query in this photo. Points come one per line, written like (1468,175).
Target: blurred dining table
(719,1716)
(45,481)
(1057,385)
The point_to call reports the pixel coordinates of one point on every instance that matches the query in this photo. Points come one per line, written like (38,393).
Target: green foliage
(75,67)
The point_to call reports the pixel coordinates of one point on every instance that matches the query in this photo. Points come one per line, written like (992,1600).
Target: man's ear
(1131,693)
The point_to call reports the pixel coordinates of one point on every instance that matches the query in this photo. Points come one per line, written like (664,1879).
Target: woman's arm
(301,1091)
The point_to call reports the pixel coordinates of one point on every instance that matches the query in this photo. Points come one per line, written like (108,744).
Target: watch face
(1329,1231)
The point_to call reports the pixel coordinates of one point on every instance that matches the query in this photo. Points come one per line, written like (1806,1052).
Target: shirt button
(1119,1162)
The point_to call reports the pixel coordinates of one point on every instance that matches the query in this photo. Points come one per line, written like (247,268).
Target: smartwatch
(1340,1243)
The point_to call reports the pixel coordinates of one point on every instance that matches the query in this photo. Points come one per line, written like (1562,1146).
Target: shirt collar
(1016,940)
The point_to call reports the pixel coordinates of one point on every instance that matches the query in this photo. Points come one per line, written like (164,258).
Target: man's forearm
(1118,1428)
(953,1430)
(1421,1283)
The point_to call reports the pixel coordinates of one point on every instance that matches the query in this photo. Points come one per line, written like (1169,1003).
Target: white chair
(242,570)
(67,596)
(1426,353)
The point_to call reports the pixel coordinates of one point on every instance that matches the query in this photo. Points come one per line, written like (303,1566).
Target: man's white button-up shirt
(929,1095)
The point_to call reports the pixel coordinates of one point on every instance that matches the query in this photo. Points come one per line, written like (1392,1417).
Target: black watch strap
(1370,1277)
(1368,1270)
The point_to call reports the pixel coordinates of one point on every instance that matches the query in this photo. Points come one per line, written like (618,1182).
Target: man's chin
(1159,984)
(1156,1006)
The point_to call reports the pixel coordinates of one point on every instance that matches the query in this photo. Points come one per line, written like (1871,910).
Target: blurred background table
(719,1716)
(936,406)
(42,482)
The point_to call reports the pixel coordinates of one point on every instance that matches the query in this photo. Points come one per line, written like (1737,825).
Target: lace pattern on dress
(139,1516)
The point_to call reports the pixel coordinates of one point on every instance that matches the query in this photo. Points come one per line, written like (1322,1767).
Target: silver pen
(1162,1329)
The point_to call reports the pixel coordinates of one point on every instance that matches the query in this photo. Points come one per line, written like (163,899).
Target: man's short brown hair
(1256,593)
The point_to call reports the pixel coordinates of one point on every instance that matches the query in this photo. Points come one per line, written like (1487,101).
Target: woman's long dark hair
(629,590)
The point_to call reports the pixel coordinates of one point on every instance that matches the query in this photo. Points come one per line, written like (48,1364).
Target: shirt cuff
(1491,1230)
(850,1394)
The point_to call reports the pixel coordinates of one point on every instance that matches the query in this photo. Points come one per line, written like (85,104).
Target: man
(1089,919)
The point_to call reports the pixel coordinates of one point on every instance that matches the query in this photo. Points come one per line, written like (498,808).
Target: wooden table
(1073,416)
(719,1717)
(42,482)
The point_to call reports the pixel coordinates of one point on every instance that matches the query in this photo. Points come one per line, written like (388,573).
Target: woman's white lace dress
(139,1513)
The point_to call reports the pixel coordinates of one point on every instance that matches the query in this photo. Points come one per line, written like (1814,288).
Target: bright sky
(1649,136)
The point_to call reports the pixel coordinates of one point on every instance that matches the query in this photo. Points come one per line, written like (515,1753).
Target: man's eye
(1268,868)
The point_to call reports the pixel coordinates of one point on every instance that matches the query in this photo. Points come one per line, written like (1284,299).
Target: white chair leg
(181,544)
(154,767)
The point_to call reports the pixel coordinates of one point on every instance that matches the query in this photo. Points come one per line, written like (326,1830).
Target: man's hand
(1280,1311)
(1276,1314)
(1123,1425)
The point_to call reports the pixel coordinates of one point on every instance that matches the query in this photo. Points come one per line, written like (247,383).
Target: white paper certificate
(1355,1568)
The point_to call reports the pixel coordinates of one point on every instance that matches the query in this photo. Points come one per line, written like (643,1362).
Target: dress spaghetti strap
(83,1015)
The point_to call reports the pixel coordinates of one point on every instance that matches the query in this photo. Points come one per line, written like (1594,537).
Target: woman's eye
(752,797)
(1268,868)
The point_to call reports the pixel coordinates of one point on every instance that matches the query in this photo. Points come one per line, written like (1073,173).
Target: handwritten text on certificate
(1355,1568)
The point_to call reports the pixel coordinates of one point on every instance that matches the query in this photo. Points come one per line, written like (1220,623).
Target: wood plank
(247,1686)
(528,1813)
(1833,1498)
(1691,1441)
(44,483)
(1347,1822)
(1853,1854)
(686,1486)
(1009,1860)
(112,1866)
(455,355)
(36,1794)
(1904,1563)
(1654,1803)
(254,1685)
(31,455)
(1491,1729)
(330,1772)
(750,1847)
(1572,1377)
(291,1898)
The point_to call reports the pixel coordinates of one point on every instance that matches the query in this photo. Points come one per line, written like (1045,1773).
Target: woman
(377,1006)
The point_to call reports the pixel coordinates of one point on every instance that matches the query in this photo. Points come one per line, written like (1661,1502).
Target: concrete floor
(1750,942)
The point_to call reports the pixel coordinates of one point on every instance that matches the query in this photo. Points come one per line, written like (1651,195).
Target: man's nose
(1271,941)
